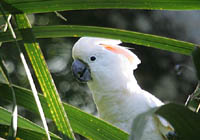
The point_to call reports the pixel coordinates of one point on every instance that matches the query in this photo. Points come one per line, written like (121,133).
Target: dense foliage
(168,74)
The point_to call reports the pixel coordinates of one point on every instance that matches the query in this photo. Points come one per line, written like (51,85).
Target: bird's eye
(92,58)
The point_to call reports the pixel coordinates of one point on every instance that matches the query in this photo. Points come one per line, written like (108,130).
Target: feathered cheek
(100,73)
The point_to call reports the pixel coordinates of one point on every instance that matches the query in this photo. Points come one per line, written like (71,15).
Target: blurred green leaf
(148,40)
(185,122)
(81,122)
(26,129)
(44,77)
(41,6)
(140,124)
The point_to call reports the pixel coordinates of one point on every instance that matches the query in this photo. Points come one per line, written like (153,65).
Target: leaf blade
(81,122)
(41,6)
(26,129)
(147,40)
(44,77)
(185,122)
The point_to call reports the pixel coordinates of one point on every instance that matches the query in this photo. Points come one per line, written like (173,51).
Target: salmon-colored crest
(119,50)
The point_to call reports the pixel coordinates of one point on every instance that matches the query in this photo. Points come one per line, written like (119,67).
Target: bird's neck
(113,92)
(113,102)
(106,86)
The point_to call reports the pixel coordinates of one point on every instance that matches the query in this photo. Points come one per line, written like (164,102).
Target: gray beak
(81,71)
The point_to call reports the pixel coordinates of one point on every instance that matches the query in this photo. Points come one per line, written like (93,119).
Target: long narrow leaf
(13,123)
(44,77)
(148,40)
(81,122)
(13,130)
(13,126)
(26,129)
(33,88)
(38,6)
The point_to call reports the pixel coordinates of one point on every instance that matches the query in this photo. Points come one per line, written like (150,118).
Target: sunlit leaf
(38,6)
(81,122)
(148,40)
(26,129)
(44,77)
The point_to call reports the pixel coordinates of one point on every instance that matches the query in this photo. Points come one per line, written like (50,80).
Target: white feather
(117,95)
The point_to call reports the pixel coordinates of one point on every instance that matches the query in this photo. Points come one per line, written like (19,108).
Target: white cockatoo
(108,70)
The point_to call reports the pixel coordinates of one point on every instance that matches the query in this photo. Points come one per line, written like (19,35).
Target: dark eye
(92,58)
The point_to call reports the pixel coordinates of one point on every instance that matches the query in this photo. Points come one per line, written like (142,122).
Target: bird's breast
(119,109)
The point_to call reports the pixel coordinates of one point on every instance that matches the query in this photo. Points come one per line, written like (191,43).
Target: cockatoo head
(101,60)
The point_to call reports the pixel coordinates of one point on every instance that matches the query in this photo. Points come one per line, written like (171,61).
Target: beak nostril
(82,72)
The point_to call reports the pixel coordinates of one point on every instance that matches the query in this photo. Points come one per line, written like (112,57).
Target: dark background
(167,75)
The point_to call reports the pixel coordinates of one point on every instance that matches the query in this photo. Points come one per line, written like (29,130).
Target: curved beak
(81,71)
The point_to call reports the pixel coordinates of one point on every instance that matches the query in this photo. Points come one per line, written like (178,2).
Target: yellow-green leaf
(148,40)
(82,123)
(44,77)
(26,128)
(41,6)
